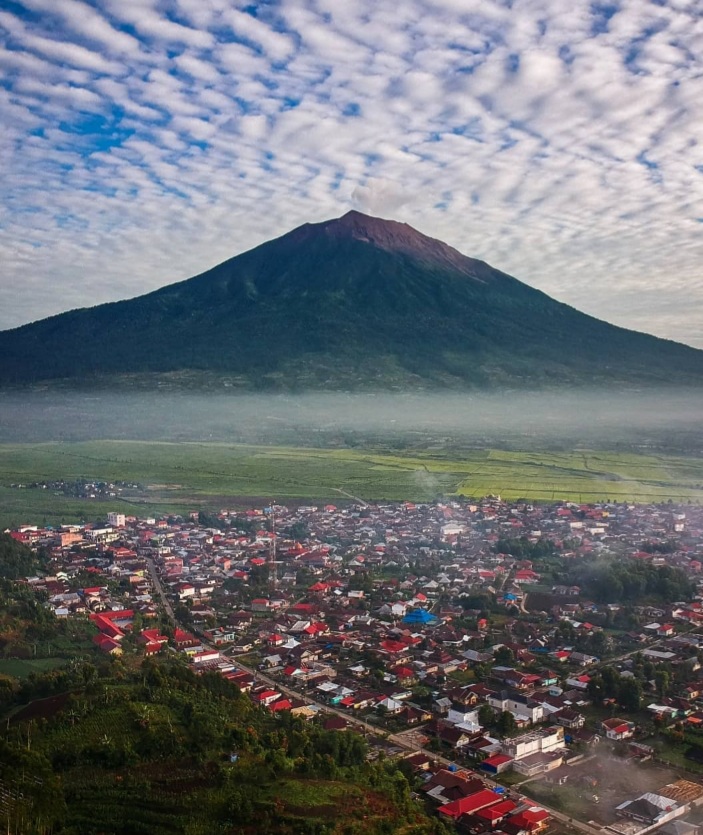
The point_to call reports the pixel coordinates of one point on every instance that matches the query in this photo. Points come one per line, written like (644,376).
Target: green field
(19,668)
(187,476)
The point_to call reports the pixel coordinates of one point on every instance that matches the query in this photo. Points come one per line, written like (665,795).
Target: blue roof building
(419,616)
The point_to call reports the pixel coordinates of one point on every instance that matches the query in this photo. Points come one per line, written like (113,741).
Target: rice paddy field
(184,476)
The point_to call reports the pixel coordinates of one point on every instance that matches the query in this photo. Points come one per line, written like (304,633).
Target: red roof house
(532,820)
(469,805)
(493,814)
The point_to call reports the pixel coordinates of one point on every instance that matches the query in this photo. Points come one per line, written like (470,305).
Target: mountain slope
(356,302)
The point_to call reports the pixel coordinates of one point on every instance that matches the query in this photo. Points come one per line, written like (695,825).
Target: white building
(465,720)
(536,742)
(520,706)
(101,534)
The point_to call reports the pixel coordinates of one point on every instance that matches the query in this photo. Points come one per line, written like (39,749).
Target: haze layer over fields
(188,451)
(668,420)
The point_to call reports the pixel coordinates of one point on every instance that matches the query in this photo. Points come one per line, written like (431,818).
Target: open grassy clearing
(21,668)
(314,798)
(185,476)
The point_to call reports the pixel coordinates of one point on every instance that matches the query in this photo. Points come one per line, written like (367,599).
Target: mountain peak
(390,235)
(358,221)
(373,229)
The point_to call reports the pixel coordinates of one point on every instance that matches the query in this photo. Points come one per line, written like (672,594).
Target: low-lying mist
(666,420)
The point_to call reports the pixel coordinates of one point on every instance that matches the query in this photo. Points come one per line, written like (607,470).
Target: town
(516,655)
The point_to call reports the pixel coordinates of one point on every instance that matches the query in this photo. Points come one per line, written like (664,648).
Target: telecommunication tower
(273,578)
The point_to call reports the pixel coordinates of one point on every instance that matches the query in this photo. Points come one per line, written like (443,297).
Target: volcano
(355,303)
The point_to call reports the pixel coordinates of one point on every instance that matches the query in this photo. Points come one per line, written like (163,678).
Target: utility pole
(273,580)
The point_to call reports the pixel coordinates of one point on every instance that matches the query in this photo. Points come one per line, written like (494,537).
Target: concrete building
(543,741)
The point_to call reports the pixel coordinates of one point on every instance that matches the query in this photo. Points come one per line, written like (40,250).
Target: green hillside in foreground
(353,303)
(115,752)
(180,477)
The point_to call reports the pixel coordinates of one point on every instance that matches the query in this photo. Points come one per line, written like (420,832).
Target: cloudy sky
(144,141)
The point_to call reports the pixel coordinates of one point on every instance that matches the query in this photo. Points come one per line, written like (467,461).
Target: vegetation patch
(185,476)
(166,751)
(21,668)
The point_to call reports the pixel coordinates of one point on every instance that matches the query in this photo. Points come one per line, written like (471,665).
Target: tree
(662,679)
(504,656)
(613,581)
(481,671)
(595,689)
(33,796)
(506,723)
(16,559)
(599,644)
(209,520)
(298,530)
(486,715)
(611,680)
(183,614)
(630,693)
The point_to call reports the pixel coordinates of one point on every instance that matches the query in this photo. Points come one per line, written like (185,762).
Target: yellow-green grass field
(187,476)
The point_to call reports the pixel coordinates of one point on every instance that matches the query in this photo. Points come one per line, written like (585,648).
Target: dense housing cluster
(509,640)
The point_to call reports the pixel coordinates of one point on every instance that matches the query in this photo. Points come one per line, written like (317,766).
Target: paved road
(160,591)
(506,580)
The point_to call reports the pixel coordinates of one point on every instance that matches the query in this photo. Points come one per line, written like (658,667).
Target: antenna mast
(273,579)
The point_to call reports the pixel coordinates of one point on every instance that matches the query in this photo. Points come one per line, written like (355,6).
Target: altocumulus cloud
(146,140)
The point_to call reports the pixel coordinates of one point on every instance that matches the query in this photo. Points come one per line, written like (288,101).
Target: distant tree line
(632,580)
